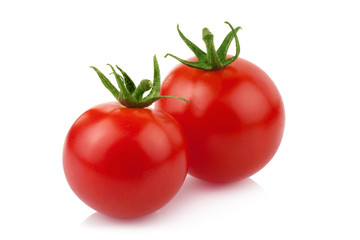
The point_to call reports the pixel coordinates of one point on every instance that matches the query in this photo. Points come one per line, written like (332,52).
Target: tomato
(123,159)
(125,162)
(235,118)
(233,123)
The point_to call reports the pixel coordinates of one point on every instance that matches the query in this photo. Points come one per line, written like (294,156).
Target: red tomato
(233,123)
(125,162)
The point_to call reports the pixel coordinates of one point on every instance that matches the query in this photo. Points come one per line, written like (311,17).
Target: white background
(310,190)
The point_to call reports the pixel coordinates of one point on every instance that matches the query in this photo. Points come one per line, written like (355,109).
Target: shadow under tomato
(100,220)
(192,190)
(195,191)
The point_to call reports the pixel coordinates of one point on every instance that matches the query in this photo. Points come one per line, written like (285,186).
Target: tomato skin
(234,121)
(124,162)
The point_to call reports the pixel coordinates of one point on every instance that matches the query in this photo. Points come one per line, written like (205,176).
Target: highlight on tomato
(235,118)
(123,159)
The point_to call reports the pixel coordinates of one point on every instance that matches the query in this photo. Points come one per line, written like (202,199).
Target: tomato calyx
(130,95)
(212,59)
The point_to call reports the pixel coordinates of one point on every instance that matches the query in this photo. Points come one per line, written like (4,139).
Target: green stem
(131,96)
(213,58)
(145,85)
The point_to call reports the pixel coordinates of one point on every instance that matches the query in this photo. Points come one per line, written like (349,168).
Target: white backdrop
(310,190)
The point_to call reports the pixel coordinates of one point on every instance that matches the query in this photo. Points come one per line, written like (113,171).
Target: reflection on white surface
(100,220)
(194,194)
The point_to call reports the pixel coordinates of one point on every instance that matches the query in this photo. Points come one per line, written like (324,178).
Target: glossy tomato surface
(125,162)
(234,121)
